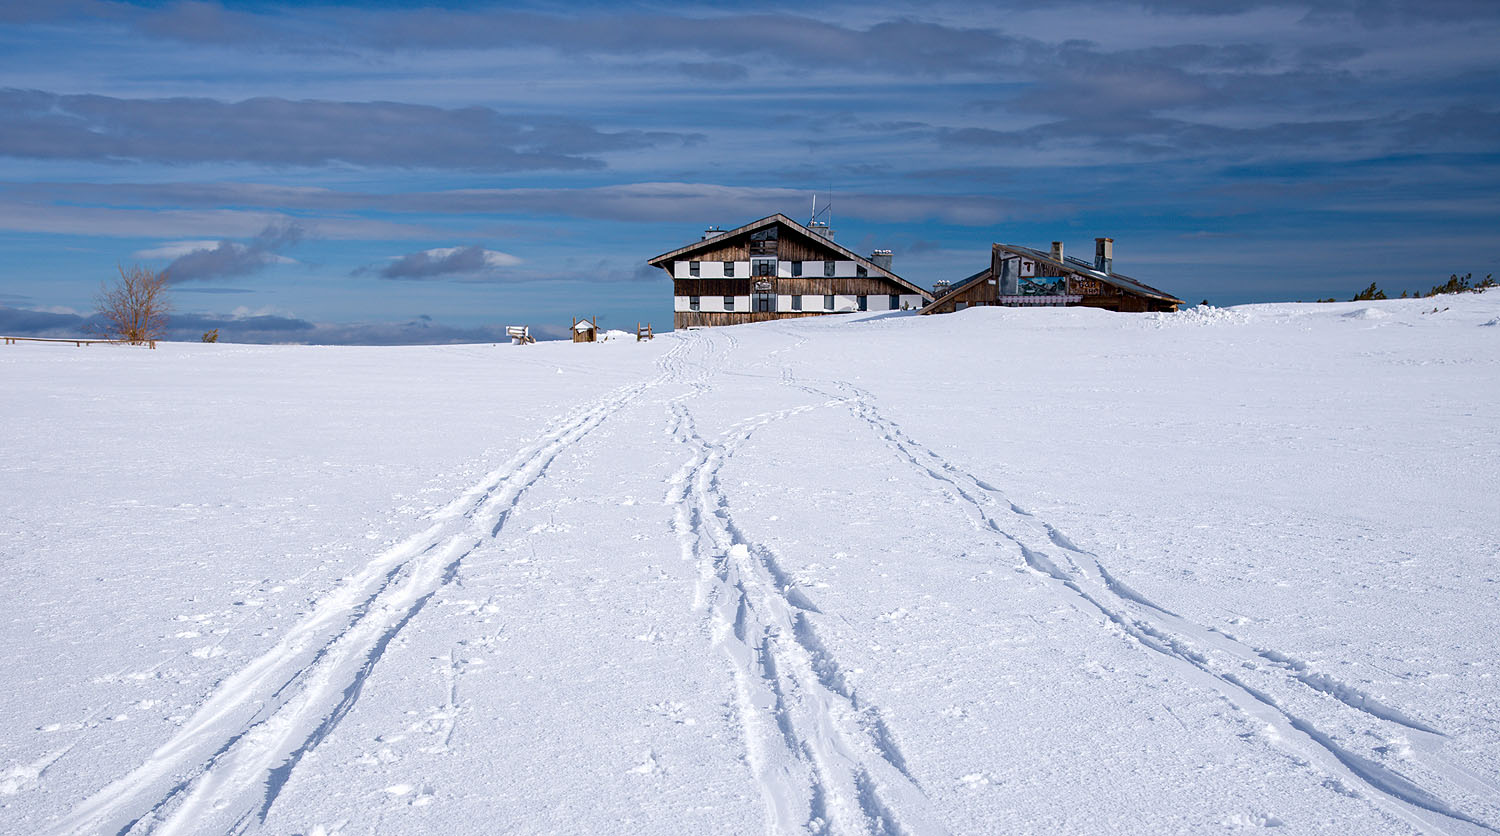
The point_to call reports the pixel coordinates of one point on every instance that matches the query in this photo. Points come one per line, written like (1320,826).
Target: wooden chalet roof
(957,288)
(778,218)
(1068,263)
(1084,268)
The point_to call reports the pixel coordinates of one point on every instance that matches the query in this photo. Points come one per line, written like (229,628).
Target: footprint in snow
(1246,821)
(648,766)
(419,796)
(24,777)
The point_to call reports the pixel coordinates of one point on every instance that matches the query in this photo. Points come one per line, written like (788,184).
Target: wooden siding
(1128,303)
(815,286)
(820,286)
(790,247)
(737,249)
(979,292)
(701,319)
(1098,294)
(711,287)
(797,247)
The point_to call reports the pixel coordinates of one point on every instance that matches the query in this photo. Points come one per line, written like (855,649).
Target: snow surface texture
(995,571)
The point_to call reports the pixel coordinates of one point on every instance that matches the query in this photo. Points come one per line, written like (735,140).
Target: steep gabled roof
(956,289)
(778,218)
(1085,268)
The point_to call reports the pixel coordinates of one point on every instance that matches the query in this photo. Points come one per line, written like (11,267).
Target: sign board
(1028,268)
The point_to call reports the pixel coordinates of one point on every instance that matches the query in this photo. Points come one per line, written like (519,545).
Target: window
(764,303)
(763,241)
(693,303)
(693,269)
(864,302)
(895,302)
(763,267)
(828,302)
(729,268)
(796,269)
(797,302)
(728,303)
(859,270)
(827,269)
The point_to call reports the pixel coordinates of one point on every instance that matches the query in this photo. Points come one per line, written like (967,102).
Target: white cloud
(178,249)
(492,258)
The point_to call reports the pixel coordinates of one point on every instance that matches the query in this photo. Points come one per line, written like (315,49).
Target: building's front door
(763,299)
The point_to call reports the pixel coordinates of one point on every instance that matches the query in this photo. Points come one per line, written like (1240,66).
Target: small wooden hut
(586,330)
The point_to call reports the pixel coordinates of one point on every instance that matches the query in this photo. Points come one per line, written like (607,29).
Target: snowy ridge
(223,770)
(1261,683)
(823,761)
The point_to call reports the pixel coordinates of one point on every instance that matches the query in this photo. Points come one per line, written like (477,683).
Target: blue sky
(377,173)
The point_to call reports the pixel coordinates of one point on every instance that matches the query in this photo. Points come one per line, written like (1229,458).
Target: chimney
(940,287)
(712,232)
(1057,251)
(1104,255)
(821,228)
(881,259)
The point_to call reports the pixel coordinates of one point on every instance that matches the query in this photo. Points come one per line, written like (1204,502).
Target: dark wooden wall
(737,249)
(797,247)
(980,292)
(699,319)
(711,287)
(818,286)
(791,246)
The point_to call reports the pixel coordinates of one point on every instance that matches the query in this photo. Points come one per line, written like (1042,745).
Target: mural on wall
(1045,286)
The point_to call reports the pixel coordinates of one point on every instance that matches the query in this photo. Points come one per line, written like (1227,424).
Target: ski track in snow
(824,760)
(224,768)
(1261,683)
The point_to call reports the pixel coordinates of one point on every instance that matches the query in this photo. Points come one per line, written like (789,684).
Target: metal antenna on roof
(827,210)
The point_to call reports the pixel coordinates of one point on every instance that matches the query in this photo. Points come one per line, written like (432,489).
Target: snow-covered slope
(996,571)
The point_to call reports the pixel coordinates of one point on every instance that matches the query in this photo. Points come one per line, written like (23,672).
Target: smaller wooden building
(1022,277)
(586,330)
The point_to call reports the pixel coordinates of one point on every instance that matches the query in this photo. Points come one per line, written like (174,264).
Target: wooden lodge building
(1020,276)
(776,268)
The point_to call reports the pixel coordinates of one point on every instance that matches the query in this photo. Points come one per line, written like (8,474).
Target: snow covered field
(1000,571)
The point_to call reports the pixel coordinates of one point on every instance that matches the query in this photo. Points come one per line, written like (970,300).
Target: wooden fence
(77,341)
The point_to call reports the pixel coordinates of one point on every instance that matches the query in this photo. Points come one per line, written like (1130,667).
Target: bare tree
(134,308)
